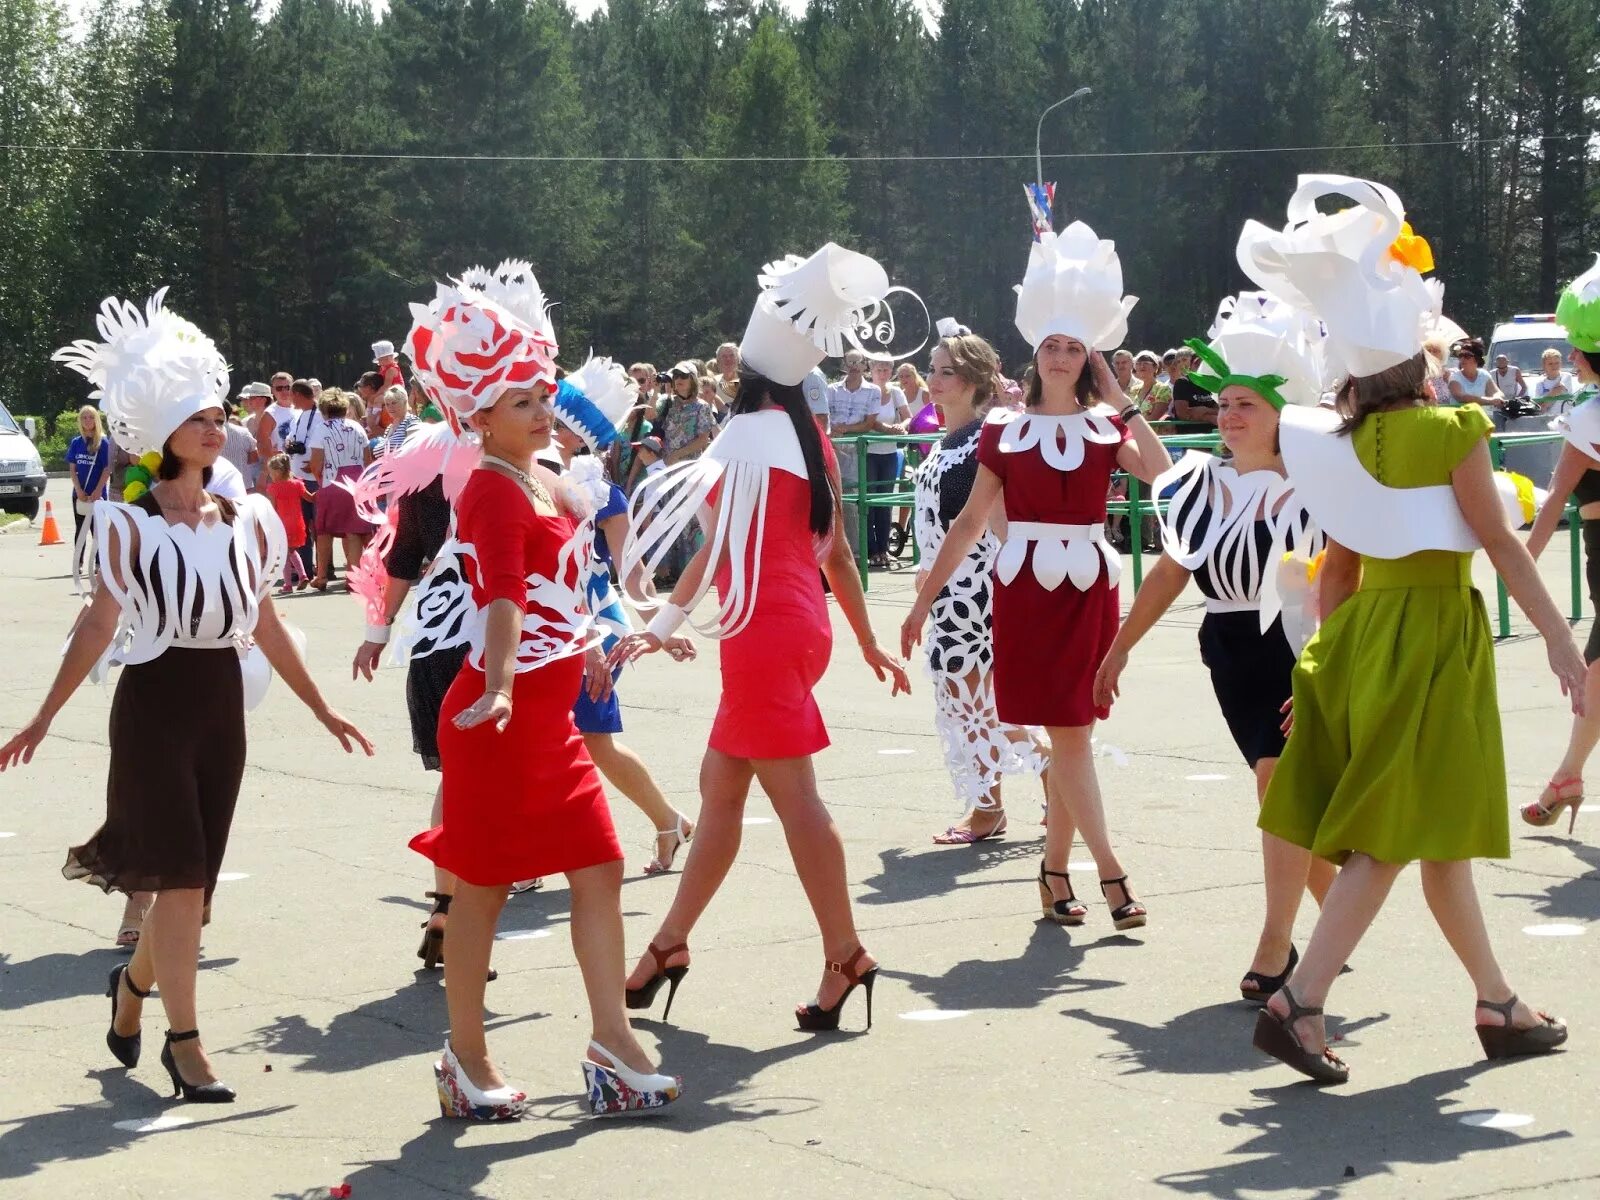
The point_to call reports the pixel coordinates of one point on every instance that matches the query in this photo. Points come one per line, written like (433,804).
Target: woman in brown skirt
(176,610)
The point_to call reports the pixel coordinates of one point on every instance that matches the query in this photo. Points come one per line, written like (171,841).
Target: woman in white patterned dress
(978,747)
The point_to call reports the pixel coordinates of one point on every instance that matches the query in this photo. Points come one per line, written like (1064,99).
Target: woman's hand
(345,731)
(491,706)
(1287,709)
(680,649)
(21,747)
(1565,661)
(885,664)
(635,645)
(596,674)
(368,656)
(1105,383)
(1108,677)
(911,628)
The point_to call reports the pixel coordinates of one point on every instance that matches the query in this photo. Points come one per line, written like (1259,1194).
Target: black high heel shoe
(125,1049)
(813,1018)
(1128,915)
(431,952)
(645,995)
(215,1092)
(1266,985)
(1070,911)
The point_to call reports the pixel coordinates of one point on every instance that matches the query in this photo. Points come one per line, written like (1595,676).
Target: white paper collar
(766,438)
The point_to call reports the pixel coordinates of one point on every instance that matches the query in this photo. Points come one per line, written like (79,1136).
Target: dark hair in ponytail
(753,390)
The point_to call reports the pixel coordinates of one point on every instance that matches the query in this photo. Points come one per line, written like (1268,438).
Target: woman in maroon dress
(772,487)
(521,797)
(1056,604)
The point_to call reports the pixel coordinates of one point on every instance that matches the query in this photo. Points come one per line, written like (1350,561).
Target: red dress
(770,666)
(1055,605)
(527,801)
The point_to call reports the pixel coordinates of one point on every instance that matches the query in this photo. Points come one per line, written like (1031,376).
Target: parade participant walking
(177,737)
(521,797)
(978,748)
(1051,467)
(588,404)
(1577,474)
(1229,526)
(772,489)
(1376,773)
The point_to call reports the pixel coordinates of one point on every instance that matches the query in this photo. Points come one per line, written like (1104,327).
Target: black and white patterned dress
(1232,532)
(978,748)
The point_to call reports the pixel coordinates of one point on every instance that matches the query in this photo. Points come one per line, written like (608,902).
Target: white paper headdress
(809,308)
(513,286)
(1359,270)
(1266,345)
(1073,287)
(593,400)
(152,371)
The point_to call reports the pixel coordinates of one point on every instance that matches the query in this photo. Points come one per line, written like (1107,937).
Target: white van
(1523,340)
(22,477)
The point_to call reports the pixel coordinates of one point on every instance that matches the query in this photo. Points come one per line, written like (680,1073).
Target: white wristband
(665,623)
(378,634)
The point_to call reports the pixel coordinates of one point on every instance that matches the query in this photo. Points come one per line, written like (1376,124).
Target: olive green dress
(1396,749)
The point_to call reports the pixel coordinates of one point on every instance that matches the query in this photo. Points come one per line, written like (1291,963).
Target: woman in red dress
(1056,604)
(521,797)
(773,488)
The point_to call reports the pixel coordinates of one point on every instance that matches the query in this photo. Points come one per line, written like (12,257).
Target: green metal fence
(1136,507)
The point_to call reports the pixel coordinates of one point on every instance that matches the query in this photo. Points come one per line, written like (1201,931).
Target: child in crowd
(287,495)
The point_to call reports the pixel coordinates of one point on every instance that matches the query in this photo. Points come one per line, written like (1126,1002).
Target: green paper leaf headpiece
(1578,310)
(1265,386)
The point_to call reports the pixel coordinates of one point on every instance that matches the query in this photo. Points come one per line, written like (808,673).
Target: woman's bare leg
(1075,805)
(444,883)
(1289,871)
(1453,900)
(1585,733)
(167,958)
(625,771)
(473,915)
(724,784)
(596,898)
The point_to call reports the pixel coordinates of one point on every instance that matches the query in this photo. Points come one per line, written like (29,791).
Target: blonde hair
(975,362)
(395,392)
(99,427)
(278,465)
(915,374)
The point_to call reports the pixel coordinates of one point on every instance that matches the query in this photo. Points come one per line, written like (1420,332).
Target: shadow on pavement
(1312,1141)
(1044,970)
(52,977)
(918,874)
(84,1131)
(1576,899)
(1214,1040)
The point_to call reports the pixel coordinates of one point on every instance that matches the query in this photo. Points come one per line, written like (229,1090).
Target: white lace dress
(978,748)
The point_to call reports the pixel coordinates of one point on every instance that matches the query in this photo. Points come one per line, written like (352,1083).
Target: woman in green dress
(1396,752)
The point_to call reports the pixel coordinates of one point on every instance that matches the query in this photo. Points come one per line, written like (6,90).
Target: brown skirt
(177,756)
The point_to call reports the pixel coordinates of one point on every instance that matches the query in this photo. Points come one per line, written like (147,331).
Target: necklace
(535,488)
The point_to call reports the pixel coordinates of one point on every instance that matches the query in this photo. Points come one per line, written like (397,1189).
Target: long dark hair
(753,390)
(1083,390)
(1362,395)
(172,466)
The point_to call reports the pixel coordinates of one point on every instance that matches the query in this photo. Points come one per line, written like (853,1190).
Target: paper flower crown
(151,371)
(1073,287)
(483,334)
(593,400)
(1259,342)
(1359,271)
(1578,310)
(812,308)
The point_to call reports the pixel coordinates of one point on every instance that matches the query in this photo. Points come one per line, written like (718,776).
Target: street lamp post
(1038,133)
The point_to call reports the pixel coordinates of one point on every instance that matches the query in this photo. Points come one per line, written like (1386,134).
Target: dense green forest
(654,155)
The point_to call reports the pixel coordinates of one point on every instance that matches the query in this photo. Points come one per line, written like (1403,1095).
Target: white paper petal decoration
(466,349)
(593,400)
(1052,559)
(255,672)
(513,286)
(1073,286)
(1113,563)
(810,309)
(151,371)
(1082,562)
(1338,266)
(1258,334)
(1010,559)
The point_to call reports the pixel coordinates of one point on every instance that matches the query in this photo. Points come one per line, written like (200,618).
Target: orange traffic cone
(50,535)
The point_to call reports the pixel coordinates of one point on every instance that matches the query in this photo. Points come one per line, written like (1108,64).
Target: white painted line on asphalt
(1072,866)
(935,1014)
(7,835)
(521,935)
(896,750)
(153,1124)
(1205,778)
(758,820)
(1495,1119)
(1554,930)
(232,876)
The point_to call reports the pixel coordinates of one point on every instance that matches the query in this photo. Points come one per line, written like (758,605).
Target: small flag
(1041,199)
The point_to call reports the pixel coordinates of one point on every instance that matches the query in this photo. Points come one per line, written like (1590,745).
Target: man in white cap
(255,398)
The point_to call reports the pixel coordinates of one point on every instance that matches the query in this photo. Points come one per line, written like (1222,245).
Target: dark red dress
(1048,641)
(526,801)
